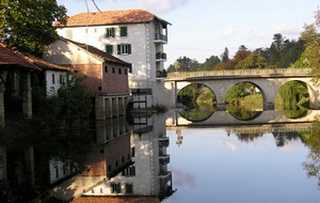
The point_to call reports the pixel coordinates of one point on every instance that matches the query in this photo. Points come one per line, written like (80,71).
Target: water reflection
(139,160)
(252,163)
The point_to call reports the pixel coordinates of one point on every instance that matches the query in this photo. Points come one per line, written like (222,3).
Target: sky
(202,28)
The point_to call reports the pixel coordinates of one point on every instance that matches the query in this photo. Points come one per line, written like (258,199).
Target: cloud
(163,5)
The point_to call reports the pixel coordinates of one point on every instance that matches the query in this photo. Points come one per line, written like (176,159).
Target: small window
(57,171)
(120,71)
(106,69)
(110,32)
(129,188)
(115,188)
(109,49)
(126,71)
(61,79)
(113,70)
(132,171)
(123,31)
(53,78)
(124,49)
(133,152)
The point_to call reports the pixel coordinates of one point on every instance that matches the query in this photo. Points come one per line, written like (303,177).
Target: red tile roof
(132,16)
(11,57)
(97,52)
(116,200)
(44,64)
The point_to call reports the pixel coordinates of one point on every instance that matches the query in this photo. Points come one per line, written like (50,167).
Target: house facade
(105,76)
(135,36)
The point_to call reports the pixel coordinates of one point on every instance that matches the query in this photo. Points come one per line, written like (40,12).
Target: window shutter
(119,49)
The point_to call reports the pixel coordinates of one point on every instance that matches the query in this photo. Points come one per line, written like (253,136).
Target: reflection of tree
(312,140)
(248,137)
(282,138)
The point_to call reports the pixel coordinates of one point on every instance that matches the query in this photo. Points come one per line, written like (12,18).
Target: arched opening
(293,99)
(244,101)
(198,101)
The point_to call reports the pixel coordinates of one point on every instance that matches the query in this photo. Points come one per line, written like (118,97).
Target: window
(110,32)
(133,152)
(129,172)
(113,70)
(106,69)
(126,71)
(120,71)
(129,188)
(57,171)
(53,79)
(109,168)
(123,31)
(109,49)
(61,79)
(124,49)
(115,188)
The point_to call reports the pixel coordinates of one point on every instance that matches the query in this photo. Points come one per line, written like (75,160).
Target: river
(146,158)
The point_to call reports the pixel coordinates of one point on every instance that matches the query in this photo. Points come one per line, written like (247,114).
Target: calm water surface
(212,165)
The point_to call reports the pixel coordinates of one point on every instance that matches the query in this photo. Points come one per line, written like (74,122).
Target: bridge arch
(198,100)
(241,90)
(293,98)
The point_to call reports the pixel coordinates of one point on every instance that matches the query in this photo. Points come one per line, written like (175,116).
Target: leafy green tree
(184,64)
(310,56)
(254,60)
(210,62)
(28,24)
(241,54)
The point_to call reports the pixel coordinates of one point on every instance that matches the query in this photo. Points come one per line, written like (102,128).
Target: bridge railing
(241,73)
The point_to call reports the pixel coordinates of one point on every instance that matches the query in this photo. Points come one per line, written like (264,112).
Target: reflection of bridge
(267,80)
(223,118)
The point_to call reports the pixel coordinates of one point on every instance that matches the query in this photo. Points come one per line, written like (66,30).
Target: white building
(54,76)
(135,36)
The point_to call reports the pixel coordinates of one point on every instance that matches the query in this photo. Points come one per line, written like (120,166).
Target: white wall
(141,38)
(53,86)
(62,52)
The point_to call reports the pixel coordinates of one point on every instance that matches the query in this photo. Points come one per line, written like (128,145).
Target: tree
(225,55)
(184,64)
(241,54)
(211,62)
(254,60)
(28,24)
(310,56)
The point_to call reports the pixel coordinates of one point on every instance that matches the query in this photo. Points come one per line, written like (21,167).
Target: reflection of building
(3,165)
(105,76)
(136,36)
(149,175)
(179,137)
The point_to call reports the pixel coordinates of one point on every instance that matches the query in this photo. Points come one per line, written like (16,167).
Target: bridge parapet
(240,73)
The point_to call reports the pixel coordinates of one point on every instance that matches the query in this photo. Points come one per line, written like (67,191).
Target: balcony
(164,142)
(160,38)
(164,160)
(161,56)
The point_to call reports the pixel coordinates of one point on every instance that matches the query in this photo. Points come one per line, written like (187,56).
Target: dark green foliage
(293,99)
(28,24)
(225,55)
(198,100)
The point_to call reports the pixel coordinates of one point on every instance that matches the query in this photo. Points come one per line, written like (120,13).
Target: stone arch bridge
(268,81)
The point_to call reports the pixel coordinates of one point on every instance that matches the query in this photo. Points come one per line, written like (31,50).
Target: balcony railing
(161,56)
(164,142)
(161,37)
(163,160)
